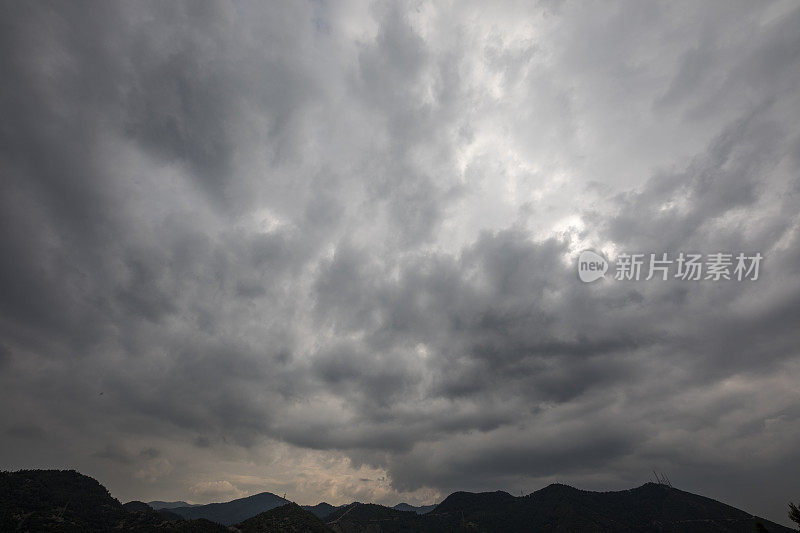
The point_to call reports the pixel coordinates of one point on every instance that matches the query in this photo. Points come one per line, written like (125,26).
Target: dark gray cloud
(338,242)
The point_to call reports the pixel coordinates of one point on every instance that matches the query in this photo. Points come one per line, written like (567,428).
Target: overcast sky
(329,248)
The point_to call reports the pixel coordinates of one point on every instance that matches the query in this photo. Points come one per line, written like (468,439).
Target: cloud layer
(329,249)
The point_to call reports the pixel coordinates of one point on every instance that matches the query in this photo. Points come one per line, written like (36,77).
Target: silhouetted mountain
(650,507)
(64,500)
(358,517)
(324,509)
(497,502)
(170,505)
(321,510)
(61,500)
(289,518)
(167,514)
(234,511)
(136,505)
(422,509)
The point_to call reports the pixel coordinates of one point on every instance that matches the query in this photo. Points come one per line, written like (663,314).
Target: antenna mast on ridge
(662,479)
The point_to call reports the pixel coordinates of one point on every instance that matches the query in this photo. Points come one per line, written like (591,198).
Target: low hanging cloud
(338,242)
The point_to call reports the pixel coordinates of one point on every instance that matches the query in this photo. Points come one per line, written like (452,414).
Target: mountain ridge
(322,509)
(65,500)
(234,511)
(419,509)
(158,504)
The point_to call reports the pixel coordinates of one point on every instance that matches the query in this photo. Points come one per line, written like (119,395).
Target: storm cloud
(330,248)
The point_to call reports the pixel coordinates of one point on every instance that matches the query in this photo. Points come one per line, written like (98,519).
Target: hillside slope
(64,500)
(368,517)
(421,509)
(169,505)
(234,511)
(289,518)
(650,507)
(321,510)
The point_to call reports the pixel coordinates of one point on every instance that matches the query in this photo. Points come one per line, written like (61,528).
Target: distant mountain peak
(285,518)
(158,504)
(234,511)
(419,509)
